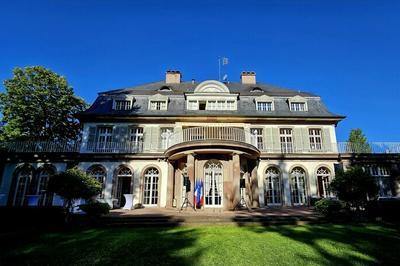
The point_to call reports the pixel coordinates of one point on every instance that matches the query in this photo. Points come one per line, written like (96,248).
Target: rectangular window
(158,105)
(264,106)
(202,105)
(136,135)
(166,132)
(295,106)
(258,137)
(212,105)
(122,105)
(230,105)
(315,139)
(286,140)
(192,105)
(104,138)
(221,105)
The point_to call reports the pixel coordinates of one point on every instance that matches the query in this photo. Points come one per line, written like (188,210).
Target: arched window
(323,179)
(22,182)
(298,186)
(150,192)
(99,173)
(213,183)
(272,185)
(43,177)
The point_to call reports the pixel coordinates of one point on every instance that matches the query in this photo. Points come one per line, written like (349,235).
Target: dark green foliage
(358,141)
(74,184)
(39,105)
(355,187)
(329,207)
(95,209)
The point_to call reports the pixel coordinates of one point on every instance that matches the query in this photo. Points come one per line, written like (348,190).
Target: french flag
(198,194)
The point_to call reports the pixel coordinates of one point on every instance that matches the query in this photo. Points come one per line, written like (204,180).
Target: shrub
(95,209)
(328,207)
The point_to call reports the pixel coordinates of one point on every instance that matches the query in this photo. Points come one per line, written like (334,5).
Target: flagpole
(219,68)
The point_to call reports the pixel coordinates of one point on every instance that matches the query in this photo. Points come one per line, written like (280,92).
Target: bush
(95,209)
(329,207)
(386,209)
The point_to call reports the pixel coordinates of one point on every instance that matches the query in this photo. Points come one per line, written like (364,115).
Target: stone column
(170,185)
(236,179)
(191,174)
(254,187)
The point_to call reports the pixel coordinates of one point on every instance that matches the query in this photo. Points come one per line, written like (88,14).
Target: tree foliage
(74,184)
(358,141)
(39,105)
(354,186)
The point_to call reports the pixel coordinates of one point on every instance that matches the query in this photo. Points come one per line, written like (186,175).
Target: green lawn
(208,245)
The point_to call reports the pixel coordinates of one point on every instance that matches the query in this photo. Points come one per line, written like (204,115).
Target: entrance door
(213,184)
(125,183)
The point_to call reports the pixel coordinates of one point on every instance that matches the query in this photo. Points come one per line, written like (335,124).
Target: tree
(73,184)
(39,105)
(355,187)
(358,142)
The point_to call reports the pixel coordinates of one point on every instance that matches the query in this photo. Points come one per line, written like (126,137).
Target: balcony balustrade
(194,135)
(211,134)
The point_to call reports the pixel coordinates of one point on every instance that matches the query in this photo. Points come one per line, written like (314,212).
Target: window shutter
(276,142)
(116,134)
(326,140)
(297,140)
(123,133)
(147,138)
(306,139)
(269,144)
(92,134)
(155,138)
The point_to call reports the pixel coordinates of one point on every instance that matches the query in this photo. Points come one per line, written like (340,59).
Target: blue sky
(345,51)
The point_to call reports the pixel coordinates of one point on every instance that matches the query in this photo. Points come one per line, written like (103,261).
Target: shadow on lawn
(103,245)
(340,244)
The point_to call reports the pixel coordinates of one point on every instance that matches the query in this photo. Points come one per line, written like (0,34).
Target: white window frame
(298,104)
(267,100)
(286,140)
(158,102)
(315,138)
(258,137)
(122,105)
(165,133)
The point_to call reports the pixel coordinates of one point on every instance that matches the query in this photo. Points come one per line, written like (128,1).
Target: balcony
(112,147)
(212,139)
(199,136)
(41,146)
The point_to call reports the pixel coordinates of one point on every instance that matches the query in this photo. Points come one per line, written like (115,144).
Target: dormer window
(264,103)
(256,89)
(158,102)
(122,105)
(264,106)
(298,104)
(158,105)
(165,88)
(123,102)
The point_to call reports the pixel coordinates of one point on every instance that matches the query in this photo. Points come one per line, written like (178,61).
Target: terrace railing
(41,146)
(113,147)
(371,147)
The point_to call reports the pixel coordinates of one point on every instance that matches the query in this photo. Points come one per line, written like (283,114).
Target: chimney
(173,76)
(248,77)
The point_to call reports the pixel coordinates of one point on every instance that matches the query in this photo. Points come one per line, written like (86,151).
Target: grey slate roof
(177,104)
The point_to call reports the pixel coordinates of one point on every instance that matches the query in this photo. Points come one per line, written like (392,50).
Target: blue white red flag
(198,194)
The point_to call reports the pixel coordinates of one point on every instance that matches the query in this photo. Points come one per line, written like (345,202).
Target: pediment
(211,87)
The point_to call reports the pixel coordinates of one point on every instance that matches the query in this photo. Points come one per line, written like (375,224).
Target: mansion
(267,145)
